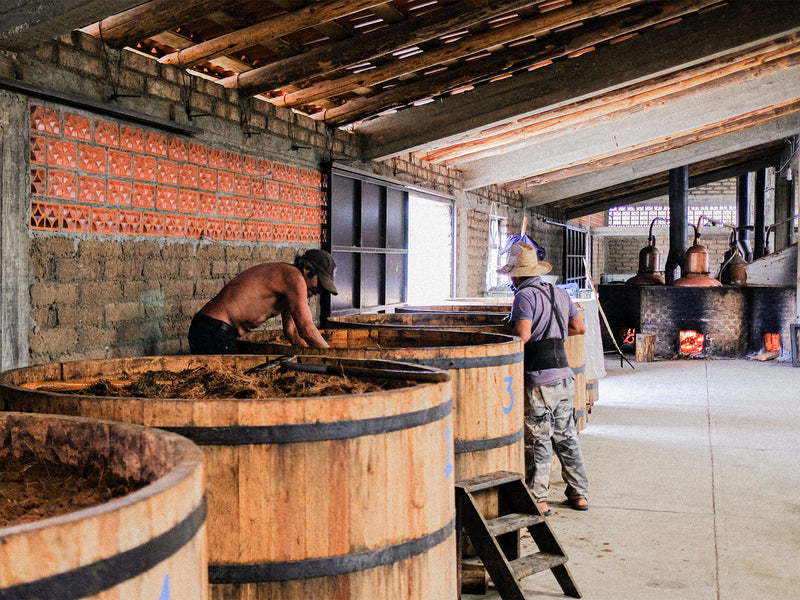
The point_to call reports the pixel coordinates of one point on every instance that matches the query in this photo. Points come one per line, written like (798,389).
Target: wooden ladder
(497,540)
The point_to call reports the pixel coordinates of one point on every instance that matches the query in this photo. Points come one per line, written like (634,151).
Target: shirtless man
(260,293)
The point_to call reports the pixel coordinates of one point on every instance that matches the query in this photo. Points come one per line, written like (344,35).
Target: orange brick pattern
(94,175)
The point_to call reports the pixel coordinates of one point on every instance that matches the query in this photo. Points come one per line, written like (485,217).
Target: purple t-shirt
(532,302)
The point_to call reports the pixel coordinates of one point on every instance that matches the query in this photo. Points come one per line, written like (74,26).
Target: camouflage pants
(550,425)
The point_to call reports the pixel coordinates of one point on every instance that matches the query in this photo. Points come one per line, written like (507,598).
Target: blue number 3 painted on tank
(510,382)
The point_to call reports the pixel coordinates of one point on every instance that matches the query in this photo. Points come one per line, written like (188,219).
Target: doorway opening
(430,250)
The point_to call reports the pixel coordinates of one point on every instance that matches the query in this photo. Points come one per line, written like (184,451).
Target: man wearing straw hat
(543,316)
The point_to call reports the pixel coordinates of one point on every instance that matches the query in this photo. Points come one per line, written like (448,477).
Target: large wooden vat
(487,378)
(490,323)
(456,308)
(321,497)
(150,543)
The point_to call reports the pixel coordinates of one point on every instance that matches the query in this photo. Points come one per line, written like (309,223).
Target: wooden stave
(485,440)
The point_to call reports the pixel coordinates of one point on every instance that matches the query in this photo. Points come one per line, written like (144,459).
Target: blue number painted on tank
(448,467)
(165,589)
(510,382)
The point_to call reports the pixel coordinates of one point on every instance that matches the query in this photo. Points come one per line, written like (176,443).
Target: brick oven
(734,320)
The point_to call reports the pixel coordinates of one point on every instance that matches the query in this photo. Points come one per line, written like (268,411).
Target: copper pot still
(734,266)
(698,264)
(649,262)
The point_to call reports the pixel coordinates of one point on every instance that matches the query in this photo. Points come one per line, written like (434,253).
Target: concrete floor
(695,486)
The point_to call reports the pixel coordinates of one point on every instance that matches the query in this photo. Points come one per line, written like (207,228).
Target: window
(430,250)
(498,232)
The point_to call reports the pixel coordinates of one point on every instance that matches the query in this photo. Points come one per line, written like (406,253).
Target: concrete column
(743,208)
(678,223)
(15,271)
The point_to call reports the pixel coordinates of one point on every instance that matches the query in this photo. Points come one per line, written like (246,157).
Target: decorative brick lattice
(642,216)
(102,177)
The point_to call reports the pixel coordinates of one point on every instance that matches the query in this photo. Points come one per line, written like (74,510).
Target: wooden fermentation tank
(320,497)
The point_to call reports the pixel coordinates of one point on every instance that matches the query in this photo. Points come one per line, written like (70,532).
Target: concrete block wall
(107,298)
(539,228)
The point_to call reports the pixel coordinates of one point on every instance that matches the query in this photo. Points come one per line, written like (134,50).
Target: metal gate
(368,238)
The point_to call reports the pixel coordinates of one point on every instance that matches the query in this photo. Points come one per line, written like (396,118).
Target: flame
(630,337)
(772,342)
(691,342)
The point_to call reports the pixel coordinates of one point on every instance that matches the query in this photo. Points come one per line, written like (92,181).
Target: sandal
(579,503)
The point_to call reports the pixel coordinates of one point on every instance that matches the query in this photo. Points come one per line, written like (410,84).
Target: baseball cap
(323,263)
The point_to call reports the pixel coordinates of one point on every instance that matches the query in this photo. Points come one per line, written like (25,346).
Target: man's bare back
(255,295)
(263,292)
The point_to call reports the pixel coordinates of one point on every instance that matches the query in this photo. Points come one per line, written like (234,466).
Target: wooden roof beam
(370,45)
(129,27)
(475,72)
(732,28)
(614,104)
(657,186)
(25,24)
(711,110)
(724,144)
(309,16)
(448,52)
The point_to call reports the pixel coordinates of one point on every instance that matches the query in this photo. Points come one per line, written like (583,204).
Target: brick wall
(620,255)
(734,319)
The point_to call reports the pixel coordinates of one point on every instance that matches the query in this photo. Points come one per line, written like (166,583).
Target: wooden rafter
(613,66)
(370,45)
(647,188)
(131,26)
(739,66)
(528,28)
(653,147)
(310,16)
(471,73)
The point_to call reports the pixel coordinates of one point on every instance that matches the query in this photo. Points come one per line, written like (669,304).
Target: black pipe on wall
(743,207)
(759,231)
(678,223)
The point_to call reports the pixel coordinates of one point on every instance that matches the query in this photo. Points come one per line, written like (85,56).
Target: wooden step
(512,522)
(535,563)
(490,480)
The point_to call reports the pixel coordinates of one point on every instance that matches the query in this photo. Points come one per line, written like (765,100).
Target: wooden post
(645,347)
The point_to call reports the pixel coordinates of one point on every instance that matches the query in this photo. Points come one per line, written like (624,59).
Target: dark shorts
(212,336)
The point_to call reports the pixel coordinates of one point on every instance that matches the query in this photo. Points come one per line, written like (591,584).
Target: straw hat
(523,262)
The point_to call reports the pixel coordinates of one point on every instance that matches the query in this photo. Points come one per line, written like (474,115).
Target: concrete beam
(720,146)
(735,27)
(668,119)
